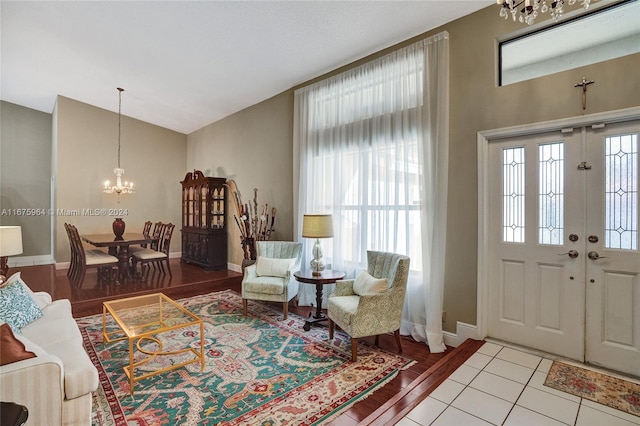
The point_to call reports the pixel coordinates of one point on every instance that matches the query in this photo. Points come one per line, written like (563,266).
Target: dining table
(119,247)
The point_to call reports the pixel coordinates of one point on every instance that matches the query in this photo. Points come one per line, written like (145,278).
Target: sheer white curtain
(371,146)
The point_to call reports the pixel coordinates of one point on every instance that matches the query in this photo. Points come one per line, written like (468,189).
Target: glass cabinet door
(217,207)
(203,207)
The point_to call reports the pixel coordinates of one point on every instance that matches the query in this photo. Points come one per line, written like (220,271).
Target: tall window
(600,35)
(363,159)
(373,147)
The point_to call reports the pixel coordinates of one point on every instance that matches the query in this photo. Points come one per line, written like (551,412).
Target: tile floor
(499,385)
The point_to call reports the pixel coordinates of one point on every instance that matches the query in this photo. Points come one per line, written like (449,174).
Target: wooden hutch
(204,228)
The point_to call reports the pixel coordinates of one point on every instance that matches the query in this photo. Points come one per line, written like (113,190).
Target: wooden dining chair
(146,231)
(83,259)
(73,264)
(155,257)
(156,234)
(158,229)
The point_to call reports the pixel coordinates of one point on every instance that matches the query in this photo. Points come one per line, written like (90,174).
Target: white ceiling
(186,64)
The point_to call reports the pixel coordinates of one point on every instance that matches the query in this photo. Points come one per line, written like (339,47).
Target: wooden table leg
(319,316)
(123,263)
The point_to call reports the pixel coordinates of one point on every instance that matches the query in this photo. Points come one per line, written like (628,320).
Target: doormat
(616,393)
(259,370)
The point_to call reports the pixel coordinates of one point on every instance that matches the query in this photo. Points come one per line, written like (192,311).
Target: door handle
(571,253)
(593,255)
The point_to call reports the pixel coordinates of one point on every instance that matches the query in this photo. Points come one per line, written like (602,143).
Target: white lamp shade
(317,226)
(10,240)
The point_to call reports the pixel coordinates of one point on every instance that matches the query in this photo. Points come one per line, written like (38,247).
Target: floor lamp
(317,226)
(10,245)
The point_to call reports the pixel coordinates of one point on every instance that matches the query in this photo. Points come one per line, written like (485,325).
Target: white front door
(564,263)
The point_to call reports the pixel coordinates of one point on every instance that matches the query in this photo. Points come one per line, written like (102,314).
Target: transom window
(608,33)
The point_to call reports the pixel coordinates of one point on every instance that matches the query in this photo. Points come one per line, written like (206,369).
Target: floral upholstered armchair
(371,304)
(271,277)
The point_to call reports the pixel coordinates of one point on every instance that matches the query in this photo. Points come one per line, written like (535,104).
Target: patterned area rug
(260,370)
(611,391)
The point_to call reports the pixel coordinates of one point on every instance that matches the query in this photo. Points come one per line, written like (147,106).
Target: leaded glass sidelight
(513,195)
(621,192)
(551,193)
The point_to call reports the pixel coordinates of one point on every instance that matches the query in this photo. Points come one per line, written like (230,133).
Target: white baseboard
(30,260)
(464,331)
(233,267)
(62,265)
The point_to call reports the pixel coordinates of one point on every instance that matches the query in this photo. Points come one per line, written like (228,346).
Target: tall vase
(118,228)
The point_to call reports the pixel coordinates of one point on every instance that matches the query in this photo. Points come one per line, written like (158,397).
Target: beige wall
(254,148)
(25,175)
(85,155)
(476,104)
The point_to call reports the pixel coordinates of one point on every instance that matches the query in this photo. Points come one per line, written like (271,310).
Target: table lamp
(317,226)
(10,245)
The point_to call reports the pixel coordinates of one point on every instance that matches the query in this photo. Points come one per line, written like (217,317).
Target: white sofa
(56,385)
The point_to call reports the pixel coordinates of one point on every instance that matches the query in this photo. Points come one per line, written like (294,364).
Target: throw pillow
(366,285)
(16,277)
(17,307)
(11,349)
(272,267)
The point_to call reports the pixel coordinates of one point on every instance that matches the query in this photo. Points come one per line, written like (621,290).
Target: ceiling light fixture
(119,188)
(530,8)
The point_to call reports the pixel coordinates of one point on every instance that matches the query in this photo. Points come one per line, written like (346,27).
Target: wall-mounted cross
(584,83)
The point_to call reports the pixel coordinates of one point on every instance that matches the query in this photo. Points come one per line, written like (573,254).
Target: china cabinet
(204,228)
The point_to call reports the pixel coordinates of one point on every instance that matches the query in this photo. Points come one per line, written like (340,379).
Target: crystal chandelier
(119,188)
(530,8)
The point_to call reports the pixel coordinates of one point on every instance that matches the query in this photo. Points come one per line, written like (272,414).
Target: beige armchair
(371,304)
(271,277)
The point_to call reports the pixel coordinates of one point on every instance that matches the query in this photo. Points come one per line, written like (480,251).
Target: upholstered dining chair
(158,227)
(157,257)
(371,304)
(271,277)
(83,259)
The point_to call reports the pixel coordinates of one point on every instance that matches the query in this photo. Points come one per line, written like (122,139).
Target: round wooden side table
(326,277)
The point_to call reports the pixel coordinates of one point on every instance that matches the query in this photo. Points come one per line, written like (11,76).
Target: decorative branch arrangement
(253,226)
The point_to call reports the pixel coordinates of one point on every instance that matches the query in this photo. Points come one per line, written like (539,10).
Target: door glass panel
(513,195)
(621,192)
(551,193)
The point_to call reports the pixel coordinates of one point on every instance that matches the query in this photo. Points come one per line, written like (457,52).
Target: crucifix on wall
(584,83)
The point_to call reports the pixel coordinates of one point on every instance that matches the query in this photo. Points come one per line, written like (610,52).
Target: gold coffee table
(141,318)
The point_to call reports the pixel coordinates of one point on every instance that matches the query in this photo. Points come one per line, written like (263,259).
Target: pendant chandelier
(527,10)
(119,187)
